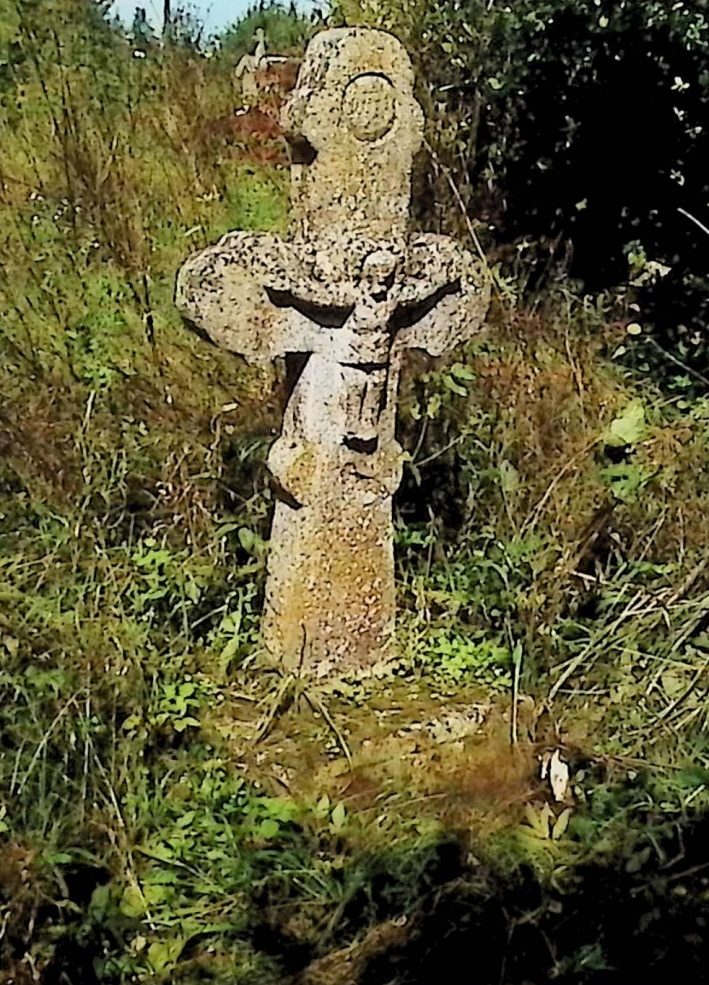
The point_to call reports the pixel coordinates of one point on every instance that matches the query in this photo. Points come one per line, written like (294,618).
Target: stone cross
(349,291)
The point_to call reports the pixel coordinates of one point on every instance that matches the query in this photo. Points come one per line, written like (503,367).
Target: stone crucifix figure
(346,295)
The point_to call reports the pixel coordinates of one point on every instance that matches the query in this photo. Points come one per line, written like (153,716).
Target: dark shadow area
(594,144)
(620,921)
(300,149)
(408,315)
(327,316)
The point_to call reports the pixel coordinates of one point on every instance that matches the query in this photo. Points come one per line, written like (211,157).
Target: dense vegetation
(551,529)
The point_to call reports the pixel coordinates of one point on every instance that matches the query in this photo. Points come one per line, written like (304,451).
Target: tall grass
(110,173)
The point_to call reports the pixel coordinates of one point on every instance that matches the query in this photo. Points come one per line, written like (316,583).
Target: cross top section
(355,127)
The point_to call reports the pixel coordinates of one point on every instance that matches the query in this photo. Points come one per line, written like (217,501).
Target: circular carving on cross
(369,106)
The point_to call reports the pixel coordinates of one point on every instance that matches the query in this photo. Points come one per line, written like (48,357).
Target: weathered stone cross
(349,292)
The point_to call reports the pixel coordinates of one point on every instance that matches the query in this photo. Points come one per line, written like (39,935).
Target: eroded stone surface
(354,108)
(349,292)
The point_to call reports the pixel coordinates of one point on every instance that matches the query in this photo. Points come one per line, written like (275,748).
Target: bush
(574,129)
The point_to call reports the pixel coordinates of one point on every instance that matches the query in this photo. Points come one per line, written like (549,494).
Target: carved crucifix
(349,292)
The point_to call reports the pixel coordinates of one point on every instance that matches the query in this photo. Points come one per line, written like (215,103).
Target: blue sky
(215,13)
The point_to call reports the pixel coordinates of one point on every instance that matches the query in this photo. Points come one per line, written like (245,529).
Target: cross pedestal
(348,293)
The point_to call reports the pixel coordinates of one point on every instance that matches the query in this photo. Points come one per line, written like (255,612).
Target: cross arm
(222,292)
(252,294)
(445,298)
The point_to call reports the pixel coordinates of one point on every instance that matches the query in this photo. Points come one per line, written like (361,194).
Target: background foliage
(286,30)
(576,132)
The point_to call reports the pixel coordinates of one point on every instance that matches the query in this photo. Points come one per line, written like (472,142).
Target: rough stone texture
(349,293)
(354,107)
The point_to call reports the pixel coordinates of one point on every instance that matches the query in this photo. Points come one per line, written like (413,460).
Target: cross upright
(349,291)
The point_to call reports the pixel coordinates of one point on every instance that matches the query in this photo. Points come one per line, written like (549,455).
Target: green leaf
(224,529)
(268,829)
(58,858)
(626,481)
(182,723)
(339,816)
(636,861)
(163,955)
(156,895)
(692,777)
(462,372)
(132,903)
(509,477)
(629,427)
(186,819)
(100,900)
(454,387)
(192,590)
(433,406)
(539,820)
(247,539)
(561,824)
